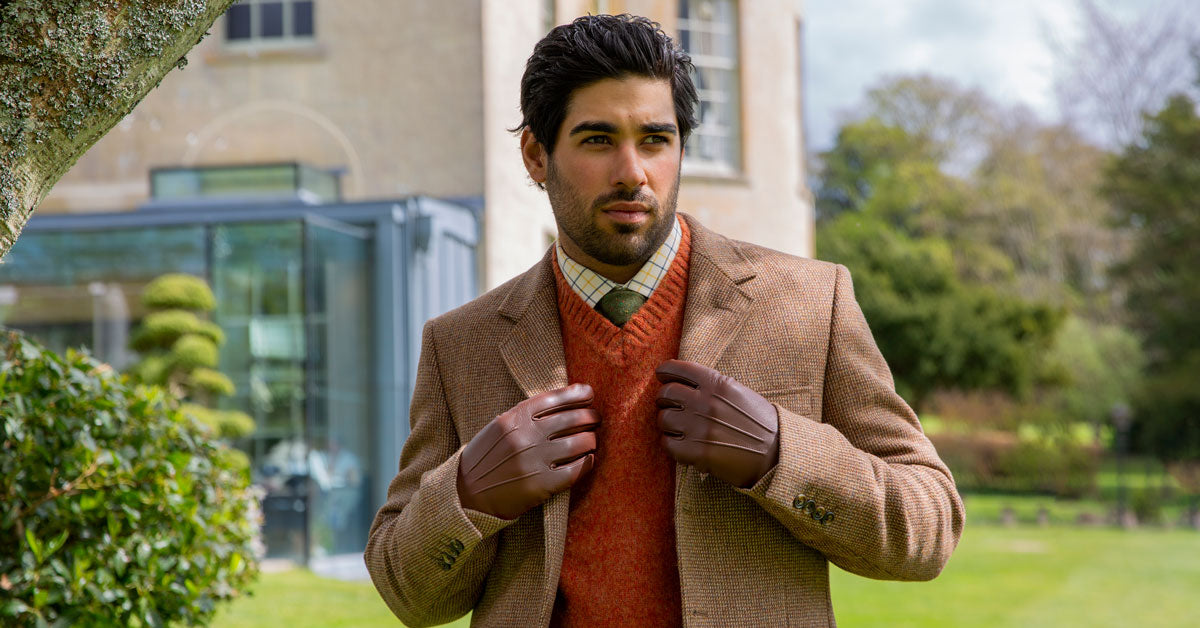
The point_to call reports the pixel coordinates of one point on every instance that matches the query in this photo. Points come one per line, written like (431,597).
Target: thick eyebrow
(660,127)
(596,126)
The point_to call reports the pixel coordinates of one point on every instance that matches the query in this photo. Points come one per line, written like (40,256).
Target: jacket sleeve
(427,555)
(864,486)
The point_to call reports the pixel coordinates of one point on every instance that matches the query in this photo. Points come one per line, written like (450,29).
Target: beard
(576,216)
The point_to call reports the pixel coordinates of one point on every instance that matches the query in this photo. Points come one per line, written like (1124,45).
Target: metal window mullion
(255,21)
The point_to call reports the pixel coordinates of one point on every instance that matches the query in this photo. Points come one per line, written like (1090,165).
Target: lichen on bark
(69,71)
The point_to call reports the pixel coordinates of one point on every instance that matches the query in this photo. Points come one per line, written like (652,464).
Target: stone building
(403,98)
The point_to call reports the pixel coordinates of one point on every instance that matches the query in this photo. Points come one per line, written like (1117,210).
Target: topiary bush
(118,509)
(192,352)
(179,291)
(180,352)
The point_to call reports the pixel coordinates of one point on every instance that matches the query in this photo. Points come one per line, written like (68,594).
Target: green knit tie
(620,304)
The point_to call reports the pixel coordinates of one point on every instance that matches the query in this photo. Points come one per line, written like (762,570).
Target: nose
(628,171)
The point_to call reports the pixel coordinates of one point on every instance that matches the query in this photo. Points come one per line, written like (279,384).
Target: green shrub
(117,510)
(213,382)
(1000,461)
(212,331)
(192,351)
(152,370)
(1147,505)
(179,291)
(222,423)
(163,329)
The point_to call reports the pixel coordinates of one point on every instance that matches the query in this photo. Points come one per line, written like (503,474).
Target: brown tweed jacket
(857,483)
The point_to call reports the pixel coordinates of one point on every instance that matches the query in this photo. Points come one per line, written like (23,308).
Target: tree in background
(70,71)
(1155,185)
(1102,365)
(939,297)
(180,352)
(981,252)
(1121,69)
(936,331)
(1016,197)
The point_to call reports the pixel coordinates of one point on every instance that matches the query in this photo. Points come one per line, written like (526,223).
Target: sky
(1005,47)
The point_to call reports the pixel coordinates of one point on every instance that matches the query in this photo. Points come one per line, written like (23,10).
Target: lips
(627,217)
(626,207)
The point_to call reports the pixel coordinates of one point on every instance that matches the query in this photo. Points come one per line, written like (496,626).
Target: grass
(1029,576)
(1024,576)
(300,599)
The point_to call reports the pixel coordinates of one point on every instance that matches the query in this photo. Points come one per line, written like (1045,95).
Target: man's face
(614,175)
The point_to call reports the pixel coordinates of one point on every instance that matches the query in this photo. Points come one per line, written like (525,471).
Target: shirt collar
(591,286)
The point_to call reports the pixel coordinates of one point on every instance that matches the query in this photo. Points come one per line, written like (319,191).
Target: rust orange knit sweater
(620,567)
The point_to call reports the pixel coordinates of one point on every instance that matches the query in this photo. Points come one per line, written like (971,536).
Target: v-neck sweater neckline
(642,328)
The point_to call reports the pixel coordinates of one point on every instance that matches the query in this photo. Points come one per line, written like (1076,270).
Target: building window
(268,21)
(708,31)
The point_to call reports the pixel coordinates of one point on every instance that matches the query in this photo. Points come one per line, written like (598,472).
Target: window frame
(255,41)
(730,163)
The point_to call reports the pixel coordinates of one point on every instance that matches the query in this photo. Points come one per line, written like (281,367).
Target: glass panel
(256,277)
(234,181)
(338,284)
(237,22)
(302,18)
(321,184)
(270,19)
(71,289)
(175,184)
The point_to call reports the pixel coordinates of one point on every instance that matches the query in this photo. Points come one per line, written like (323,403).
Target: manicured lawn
(1029,576)
(999,577)
(299,599)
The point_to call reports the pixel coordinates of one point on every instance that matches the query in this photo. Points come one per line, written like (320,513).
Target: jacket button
(798,503)
(827,518)
(819,513)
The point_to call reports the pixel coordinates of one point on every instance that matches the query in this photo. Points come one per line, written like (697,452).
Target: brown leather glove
(538,448)
(715,424)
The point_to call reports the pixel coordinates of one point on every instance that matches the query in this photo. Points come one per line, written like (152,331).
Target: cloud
(1000,47)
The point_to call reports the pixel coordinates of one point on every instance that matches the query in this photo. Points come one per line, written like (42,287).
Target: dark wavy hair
(597,47)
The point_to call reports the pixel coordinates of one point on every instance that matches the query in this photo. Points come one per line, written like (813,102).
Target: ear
(535,156)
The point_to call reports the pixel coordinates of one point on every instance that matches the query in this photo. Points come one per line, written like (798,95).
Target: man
(654,425)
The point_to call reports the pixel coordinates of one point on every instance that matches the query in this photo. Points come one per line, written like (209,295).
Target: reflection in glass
(337,277)
(256,278)
(84,288)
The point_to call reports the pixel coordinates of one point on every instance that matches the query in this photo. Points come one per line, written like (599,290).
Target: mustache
(637,195)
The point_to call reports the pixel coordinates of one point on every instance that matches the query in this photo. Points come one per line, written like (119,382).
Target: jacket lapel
(717,303)
(533,350)
(533,353)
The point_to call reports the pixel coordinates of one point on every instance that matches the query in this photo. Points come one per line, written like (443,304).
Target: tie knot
(620,304)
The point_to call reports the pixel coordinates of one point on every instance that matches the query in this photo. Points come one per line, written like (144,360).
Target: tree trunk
(69,71)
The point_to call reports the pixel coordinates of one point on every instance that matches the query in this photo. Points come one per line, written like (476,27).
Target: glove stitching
(731,426)
(506,459)
(491,447)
